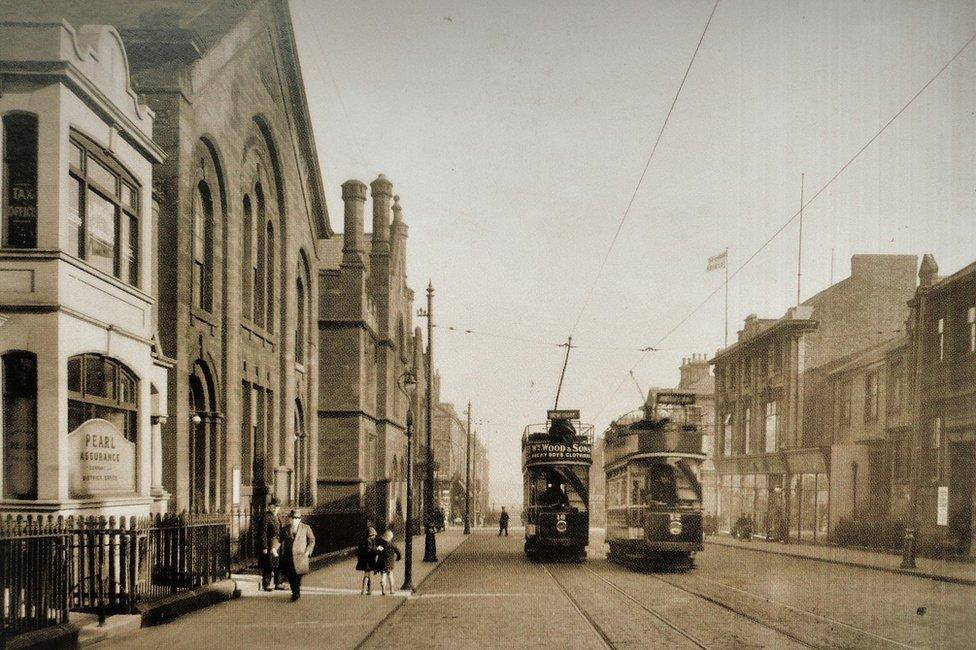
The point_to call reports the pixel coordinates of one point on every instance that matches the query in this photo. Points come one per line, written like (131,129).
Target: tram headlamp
(675,527)
(561,526)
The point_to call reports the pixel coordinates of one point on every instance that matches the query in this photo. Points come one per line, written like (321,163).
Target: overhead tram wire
(553,344)
(640,180)
(796,214)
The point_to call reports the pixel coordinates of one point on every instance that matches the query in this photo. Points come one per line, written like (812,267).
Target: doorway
(961,483)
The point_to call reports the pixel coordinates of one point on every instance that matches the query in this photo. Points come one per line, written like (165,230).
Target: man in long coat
(266,543)
(297,544)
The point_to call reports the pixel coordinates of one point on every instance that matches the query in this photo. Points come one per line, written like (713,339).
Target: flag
(716,262)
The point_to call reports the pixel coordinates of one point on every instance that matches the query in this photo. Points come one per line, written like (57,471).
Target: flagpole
(799,253)
(726,296)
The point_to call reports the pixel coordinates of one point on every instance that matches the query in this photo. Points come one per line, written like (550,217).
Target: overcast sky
(515,133)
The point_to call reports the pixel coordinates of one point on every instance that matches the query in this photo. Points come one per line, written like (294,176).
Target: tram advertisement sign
(102,460)
(579,450)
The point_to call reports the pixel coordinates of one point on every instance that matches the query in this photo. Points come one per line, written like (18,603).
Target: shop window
(102,211)
(203,248)
(101,387)
(772,426)
(19,425)
(871,396)
(20,180)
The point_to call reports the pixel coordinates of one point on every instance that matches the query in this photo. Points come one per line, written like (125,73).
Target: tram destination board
(575,451)
(676,399)
(564,414)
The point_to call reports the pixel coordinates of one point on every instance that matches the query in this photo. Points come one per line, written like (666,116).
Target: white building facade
(84,383)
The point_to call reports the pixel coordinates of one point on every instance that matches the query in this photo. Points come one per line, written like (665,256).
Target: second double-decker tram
(654,496)
(556,459)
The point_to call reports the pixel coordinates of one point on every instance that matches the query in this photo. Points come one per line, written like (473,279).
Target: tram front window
(552,490)
(670,483)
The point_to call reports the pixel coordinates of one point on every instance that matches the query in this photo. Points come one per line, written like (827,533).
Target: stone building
(450,449)
(367,343)
(240,209)
(942,335)
(869,434)
(773,409)
(83,376)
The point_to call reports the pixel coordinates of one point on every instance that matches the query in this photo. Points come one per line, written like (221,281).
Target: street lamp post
(467,479)
(408,379)
(430,540)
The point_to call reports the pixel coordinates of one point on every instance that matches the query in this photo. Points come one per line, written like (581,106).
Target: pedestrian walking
(266,546)
(297,543)
(366,559)
(503,522)
(387,555)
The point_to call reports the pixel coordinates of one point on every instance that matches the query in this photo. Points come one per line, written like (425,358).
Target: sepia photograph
(463,324)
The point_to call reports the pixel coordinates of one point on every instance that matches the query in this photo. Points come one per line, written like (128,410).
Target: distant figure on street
(503,522)
(297,543)
(266,543)
(366,559)
(439,518)
(387,555)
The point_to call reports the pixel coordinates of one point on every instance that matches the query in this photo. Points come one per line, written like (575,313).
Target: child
(366,559)
(386,552)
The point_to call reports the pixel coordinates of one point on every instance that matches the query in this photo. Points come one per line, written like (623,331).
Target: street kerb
(417,588)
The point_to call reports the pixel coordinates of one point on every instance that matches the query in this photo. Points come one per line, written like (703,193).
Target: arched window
(203,247)
(20,176)
(260,259)
(19,425)
(103,211)
(300,321)
(270,281)
(247,258)
(101,387)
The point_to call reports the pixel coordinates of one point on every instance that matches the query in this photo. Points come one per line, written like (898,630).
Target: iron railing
(34,582)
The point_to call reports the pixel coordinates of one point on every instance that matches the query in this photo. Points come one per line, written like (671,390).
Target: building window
(300,322)
(941,329)
(747,430)
(727,434)
(871,396)
(102,211)
(258,264)
(747,374)
(20,180)
(203,248)
(101,387)
(19,425)
(932,452)
(971,321)
(270,281)
(896,386)
(772,426)
(846,390)
(247,259)
(900,455)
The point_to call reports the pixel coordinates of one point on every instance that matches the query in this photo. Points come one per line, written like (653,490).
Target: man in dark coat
(503,522)
(266,543)
(297,544)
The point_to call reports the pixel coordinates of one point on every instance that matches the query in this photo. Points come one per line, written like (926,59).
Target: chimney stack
(353,196)
(928,272)
(382,193)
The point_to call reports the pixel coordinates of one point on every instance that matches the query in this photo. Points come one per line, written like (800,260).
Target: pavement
(331,612)
(955,571)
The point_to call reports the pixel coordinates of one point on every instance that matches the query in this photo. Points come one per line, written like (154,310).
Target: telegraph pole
(467,479)
(430,540)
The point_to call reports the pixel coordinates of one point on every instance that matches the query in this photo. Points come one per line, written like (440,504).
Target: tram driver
(554,495)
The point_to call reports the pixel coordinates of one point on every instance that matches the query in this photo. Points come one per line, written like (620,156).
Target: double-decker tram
(654,496)
(556,458)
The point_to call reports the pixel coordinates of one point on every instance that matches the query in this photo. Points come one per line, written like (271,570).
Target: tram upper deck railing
(541,430)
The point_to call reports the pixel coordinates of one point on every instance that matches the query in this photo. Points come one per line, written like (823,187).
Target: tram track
(596,626)
(738,611)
